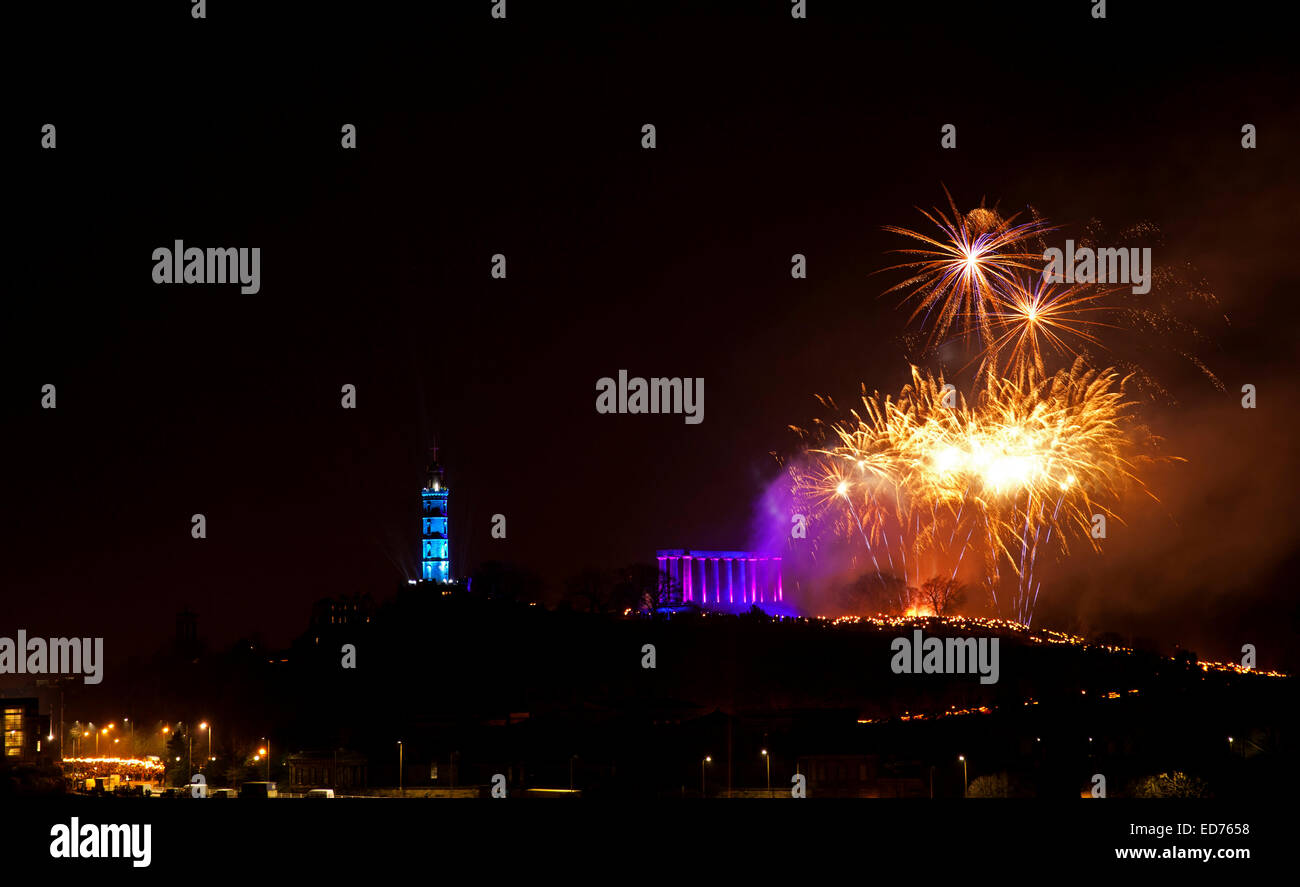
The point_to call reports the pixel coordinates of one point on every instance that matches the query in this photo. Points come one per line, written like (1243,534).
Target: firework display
(1030,460)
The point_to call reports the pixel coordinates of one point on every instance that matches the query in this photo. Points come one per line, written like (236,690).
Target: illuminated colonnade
(723,578)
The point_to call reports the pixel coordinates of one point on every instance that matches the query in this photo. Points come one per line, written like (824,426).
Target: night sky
(477,137)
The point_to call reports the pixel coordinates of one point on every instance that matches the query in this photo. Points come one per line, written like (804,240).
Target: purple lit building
(727,581)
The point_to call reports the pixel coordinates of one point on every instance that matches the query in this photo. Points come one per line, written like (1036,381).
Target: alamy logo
(637,395)
(1086,265)
(56,656)
(104,841)
(211,265)
(946,656)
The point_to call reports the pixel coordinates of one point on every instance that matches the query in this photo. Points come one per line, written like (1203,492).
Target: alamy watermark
(213,265)
(1104,265)
(91,840)
(638,395)
(26,655)
(922,655)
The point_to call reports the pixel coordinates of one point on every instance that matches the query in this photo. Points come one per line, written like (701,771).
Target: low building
(723,581)
(856,776)
(339,770)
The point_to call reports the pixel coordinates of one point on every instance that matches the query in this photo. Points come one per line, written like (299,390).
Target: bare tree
(942,594)
(644,587)
(875,593)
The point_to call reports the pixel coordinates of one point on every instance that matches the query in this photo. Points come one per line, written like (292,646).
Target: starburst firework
(955,279)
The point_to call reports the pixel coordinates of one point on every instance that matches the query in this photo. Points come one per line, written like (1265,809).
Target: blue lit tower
(435,564)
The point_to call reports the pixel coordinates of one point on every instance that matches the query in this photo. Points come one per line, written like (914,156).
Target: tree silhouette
(997,785)
(942,594)
(872,593)
(644,588)
(1171,785)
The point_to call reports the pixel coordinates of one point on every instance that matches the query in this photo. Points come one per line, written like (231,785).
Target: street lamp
(572,758)
(767,760)
(204,726)
(266,750)
(704,787)
(400,790)
(962,758)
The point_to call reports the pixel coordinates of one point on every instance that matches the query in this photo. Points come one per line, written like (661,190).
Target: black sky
(478,137)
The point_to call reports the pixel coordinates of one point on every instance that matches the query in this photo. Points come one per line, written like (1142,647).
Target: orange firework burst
(1033,315)
(928,478)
